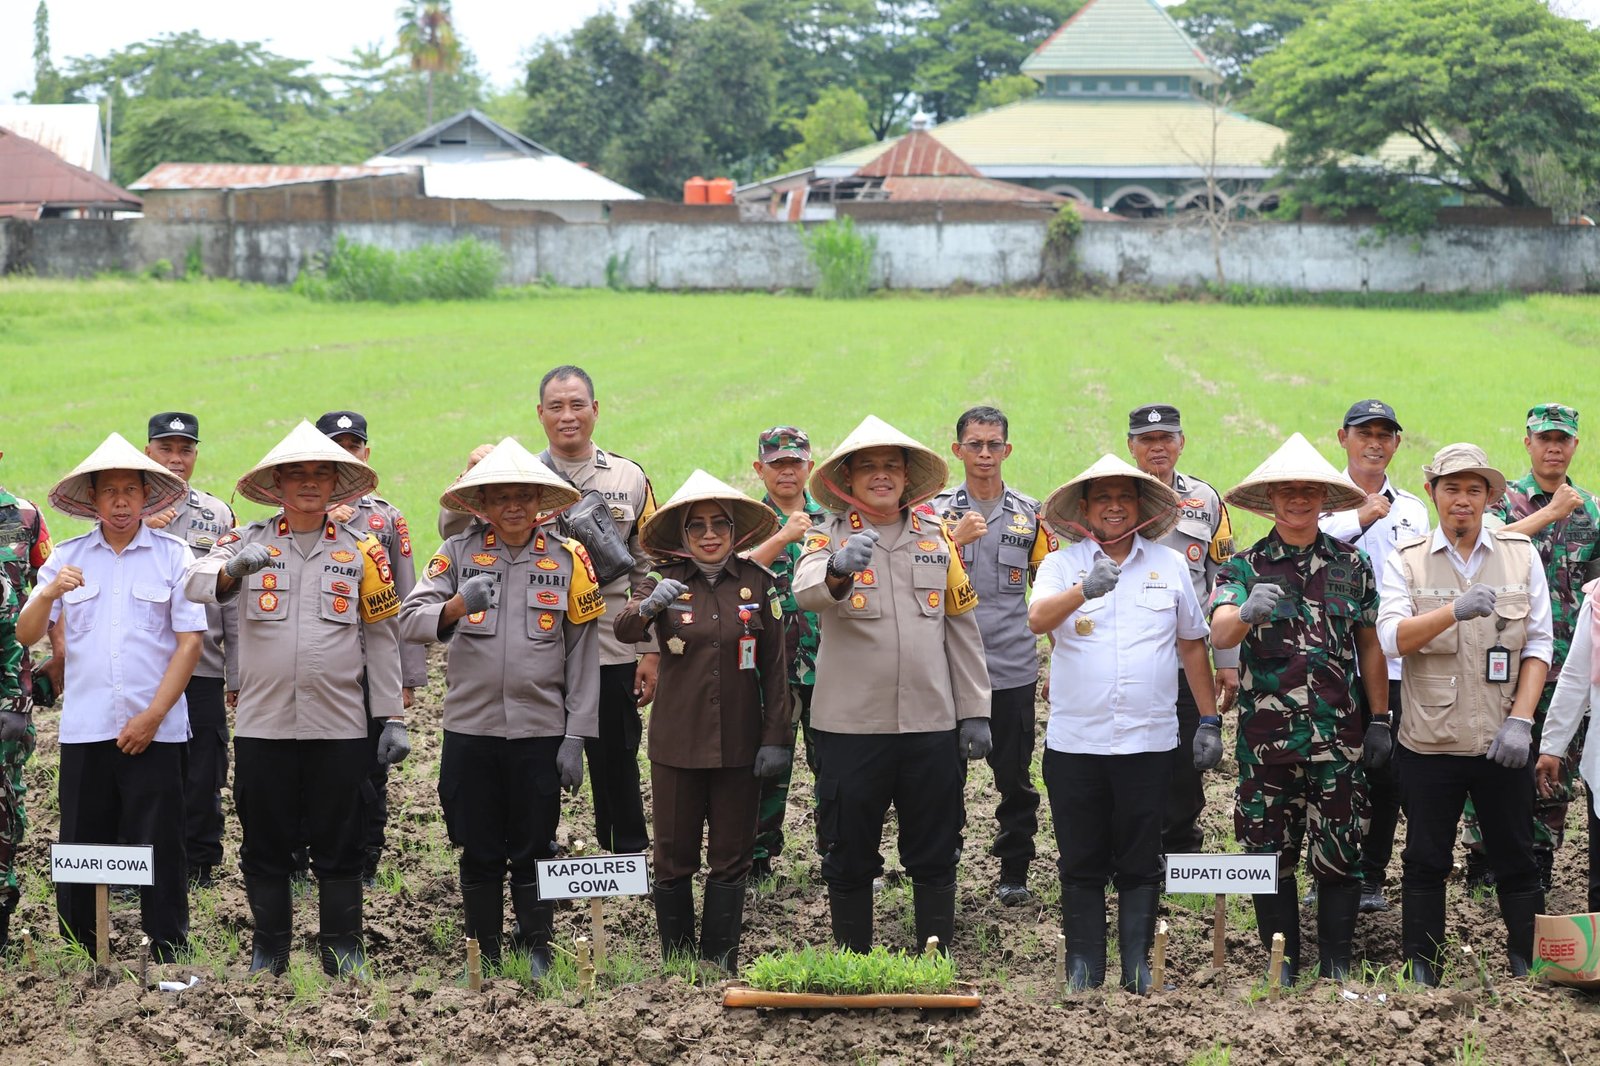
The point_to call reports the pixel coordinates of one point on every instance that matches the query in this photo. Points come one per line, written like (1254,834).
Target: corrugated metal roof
(917,154)
(531,178)
(1120,36)
(173,176)
(71,131)
(960,190)
(32,174)
(474,126)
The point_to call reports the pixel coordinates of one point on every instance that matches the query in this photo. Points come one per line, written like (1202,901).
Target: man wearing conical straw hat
(1302,609)
(720,723)
(516,605)
(317,606)
(132,642)
(1123,618)
(902,694)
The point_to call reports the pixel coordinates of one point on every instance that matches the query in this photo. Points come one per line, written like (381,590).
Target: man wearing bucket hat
(376,515)
(132,642)
(317,606)
(1468,611)
(1009,546)
(1125,620)
(1204,537)
(199,519)
(902,688)
(720,722)
(1302,608)
(514,604)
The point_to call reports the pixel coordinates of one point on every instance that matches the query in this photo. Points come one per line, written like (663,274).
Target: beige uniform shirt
(201,521)
(527,666)
(379,517)
(302,641)
(1204,537)
(892,660)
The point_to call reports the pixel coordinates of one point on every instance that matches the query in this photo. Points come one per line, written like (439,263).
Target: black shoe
(1547,866)
(1280,913)
(343,952)
(6,907)
(850,913)
(272,912)
(1480,875)
(483,905)
(1136,931)
(760,870)
(934,907)
(1012,893)
(369,867)
(722,924)
(1336,928)
(1422,933)
(536,925)
(1372,898)
(1083,923)
(201,877)
(1518,911)
(675,917)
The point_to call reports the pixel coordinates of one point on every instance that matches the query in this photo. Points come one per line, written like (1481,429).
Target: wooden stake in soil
(585,967)
(27,949)
(1219,933)
(474,965)
(597,928)
(144,962)
(102,924)
(931,948)
(1061,965)
(1158,975)
(1275,968)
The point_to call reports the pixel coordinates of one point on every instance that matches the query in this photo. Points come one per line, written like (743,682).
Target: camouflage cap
(783,442)
(1556,416)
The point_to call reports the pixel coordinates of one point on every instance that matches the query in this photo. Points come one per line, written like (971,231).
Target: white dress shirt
(1396,595)
(1576,694)
(121,627)
(1114,688)
(1407,520)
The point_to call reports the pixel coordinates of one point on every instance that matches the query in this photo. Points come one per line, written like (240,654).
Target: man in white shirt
(1370,437)
(133,640)
(1119,640)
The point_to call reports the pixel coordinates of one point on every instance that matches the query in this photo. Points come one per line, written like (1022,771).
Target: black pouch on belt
(589,522)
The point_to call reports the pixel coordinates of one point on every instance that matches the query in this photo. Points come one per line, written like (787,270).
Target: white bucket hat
(1158,502)
(1295,460)
(509,463)
(305,444)
(662,532)
(1465,459)
(926,470)
(74,494)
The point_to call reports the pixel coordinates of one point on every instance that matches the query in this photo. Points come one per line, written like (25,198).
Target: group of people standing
(1375,667)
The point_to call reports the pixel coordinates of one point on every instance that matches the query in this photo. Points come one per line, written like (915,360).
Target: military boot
(1337,906)
(536,925)
(343,952)
(272,913)
(675,917)
(851,916)
(1518,909)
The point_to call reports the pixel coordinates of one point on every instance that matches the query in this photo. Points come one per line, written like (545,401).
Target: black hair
(94,480)
(567,371)
(984,416)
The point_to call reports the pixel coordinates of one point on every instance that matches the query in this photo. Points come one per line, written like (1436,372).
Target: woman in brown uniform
(720,721)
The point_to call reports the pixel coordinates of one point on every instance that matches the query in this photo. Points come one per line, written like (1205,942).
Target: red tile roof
(32,175)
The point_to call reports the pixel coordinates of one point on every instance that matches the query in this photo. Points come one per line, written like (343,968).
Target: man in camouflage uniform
(1563,522)
(1302,607)
(783,464)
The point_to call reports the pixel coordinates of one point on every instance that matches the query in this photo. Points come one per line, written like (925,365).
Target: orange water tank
(719,191)
(694,190)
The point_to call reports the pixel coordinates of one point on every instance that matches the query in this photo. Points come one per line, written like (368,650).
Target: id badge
(747,653)
(1497,665)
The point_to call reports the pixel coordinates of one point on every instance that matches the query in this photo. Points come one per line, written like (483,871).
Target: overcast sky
(498,32)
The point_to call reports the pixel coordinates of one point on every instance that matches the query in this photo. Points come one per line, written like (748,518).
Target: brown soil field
(418,1010)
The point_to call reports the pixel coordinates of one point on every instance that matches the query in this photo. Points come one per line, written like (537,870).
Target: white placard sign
(1223,874)
(102,864)
(593,876)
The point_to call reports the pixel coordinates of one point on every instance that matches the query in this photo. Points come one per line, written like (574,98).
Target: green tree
(46,79)
(1005,90)
(835,123)
(201,130)
(1236,33)
(383,101)
(428,39)
(975,42)
(1475,88)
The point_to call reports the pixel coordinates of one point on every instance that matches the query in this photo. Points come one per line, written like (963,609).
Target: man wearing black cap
(1204,537)
(1391,516)
(377,516)
(198,519)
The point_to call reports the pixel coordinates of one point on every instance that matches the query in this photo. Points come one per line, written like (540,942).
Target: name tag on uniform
(1497,665)
(747,653)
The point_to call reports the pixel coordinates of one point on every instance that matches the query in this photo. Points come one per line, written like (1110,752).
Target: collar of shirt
(142,538)
(812,507)
(1277,548)
(1484,543)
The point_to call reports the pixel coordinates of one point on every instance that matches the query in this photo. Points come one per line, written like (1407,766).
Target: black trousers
(294,792)
(619,825)
(715,805)
(1433,790)
(374,793)
(1186,787)
(1383,793)
(207,771)
(107,797)
(860,774)
(501,800)
(1594,857)
(1107,814)
(1011,724)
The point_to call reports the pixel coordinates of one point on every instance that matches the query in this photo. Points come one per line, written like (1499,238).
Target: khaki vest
(1448,707)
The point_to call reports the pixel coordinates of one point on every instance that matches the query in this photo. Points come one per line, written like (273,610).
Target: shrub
(843,258)
(467,269)
(1061,247)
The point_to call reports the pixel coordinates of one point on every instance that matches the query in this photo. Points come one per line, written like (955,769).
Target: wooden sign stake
(1061,965)
(1219,933)
(585,967)
(144,962)
(474,965)
(1158,975)
(1275,968)
(102,924)
(931,948)
(27,949)
(597,928)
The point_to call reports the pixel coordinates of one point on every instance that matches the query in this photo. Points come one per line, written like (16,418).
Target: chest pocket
(1157,598)
(266,596)
(928,580)
(150,604)
(1445,643)
(546,606)
(487,622)
(1279,636)
(1339,618)
(1013,568)
(1511,619)
(337,599)
(861,603)
(1192,538)
(79,605)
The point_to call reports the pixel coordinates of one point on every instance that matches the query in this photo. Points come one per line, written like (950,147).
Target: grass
(839,971)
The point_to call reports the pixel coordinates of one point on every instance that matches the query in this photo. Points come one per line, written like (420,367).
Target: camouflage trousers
(1323,805)
(774,802)
(13,814)
(1549,813)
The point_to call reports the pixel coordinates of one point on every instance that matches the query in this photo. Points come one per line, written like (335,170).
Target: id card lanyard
(747,643)
(1497,660)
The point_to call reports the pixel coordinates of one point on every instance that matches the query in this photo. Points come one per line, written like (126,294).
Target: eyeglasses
(978,447)
(699,527)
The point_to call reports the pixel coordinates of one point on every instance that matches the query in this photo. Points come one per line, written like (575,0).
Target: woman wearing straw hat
(720,721)
(132,640)
(514,604)
(1120,639)
(902,692)
(317,606)
(1302,608)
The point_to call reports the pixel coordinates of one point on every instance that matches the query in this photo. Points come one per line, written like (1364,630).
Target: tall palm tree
(429,38)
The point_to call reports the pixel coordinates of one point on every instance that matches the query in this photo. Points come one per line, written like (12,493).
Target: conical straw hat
(662,532)
(925,474)
(1295,460)
(1158,502)
(305,444)
(508,464)
(74,496)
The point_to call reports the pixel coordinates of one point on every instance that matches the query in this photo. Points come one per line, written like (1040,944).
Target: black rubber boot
(722,923)
(483,907)
(934,908)
(369,866)
(1479,873)
(1337,906)
(1422,932)
(339,928)
(675,917)
(1136,931)
(851,915)
(6,907)
(536,925)
(272,912)
(1083,921)
(1281,914)
(1546,861)
(1518,910)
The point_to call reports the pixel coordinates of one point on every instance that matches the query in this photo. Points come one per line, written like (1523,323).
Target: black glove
(772,760)
(856,554)
(13,726)
(974,738)
(247,560)
(477,592)
(393,744)
(569,763)
(661,597)
(1377,745)
(1208,744)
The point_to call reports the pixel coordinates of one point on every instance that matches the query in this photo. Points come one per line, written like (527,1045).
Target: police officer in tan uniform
(317,606)
(902,691)
(514,602)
